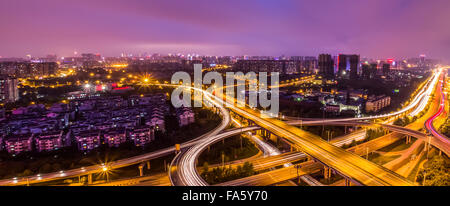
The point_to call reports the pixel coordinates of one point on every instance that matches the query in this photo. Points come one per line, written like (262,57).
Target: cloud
(381,28)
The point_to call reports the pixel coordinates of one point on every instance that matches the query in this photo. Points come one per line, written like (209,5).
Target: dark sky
(372,28)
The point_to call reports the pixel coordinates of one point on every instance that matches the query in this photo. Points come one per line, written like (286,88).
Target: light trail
(425,97)
(189,160)
(94,168)
(429,122)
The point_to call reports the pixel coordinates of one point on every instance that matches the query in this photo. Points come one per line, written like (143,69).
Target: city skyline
(382,29)
(224,93)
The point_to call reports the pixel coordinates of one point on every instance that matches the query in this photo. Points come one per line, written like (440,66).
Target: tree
(56,167)
(46,168)
(205,167)
(27,172)
(436,172)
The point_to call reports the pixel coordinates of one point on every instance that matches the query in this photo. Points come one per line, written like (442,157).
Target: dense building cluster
(376,103)
(352,66)
(28,69)
(293,65)
(8,89)
(88,123)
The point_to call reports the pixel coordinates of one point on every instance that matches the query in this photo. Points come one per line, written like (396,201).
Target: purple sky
(372,28)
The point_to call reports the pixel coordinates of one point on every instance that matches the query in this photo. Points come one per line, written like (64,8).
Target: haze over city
(375,29)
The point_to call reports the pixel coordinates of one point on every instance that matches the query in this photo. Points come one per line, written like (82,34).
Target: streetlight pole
(241,140)
(323,120)
(223,159)
(429,145)
(367,153)
(328,135)
(424,177)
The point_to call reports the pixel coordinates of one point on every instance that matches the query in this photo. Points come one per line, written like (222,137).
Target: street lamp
(298,176)
(105,170)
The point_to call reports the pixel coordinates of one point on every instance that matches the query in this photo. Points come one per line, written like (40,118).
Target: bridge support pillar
(275,139)
(177,148)
(165,166)
(408,139)
(347,182)
(266,135)
(148,165)
(89,178)
(141,170)
(326,172)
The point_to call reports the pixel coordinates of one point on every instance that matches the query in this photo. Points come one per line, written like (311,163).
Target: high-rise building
(348,64)
(281,66)
(422,59)
(386,69)
(8,89)
(374,69)
(366,71)
(326,66)
(369,71)
(342,65)
(354,64)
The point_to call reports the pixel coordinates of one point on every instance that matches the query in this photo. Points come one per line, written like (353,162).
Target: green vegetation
(48,95)
(436,172)
(205,121)
(26,164)
(326,131)
(304,108)
(416,168)
(445,128)
(231,150)
(319,176)
(398,145)
(371,134)
(382,159)
(404,121)
(408,120)
(377,87)
(224,174)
